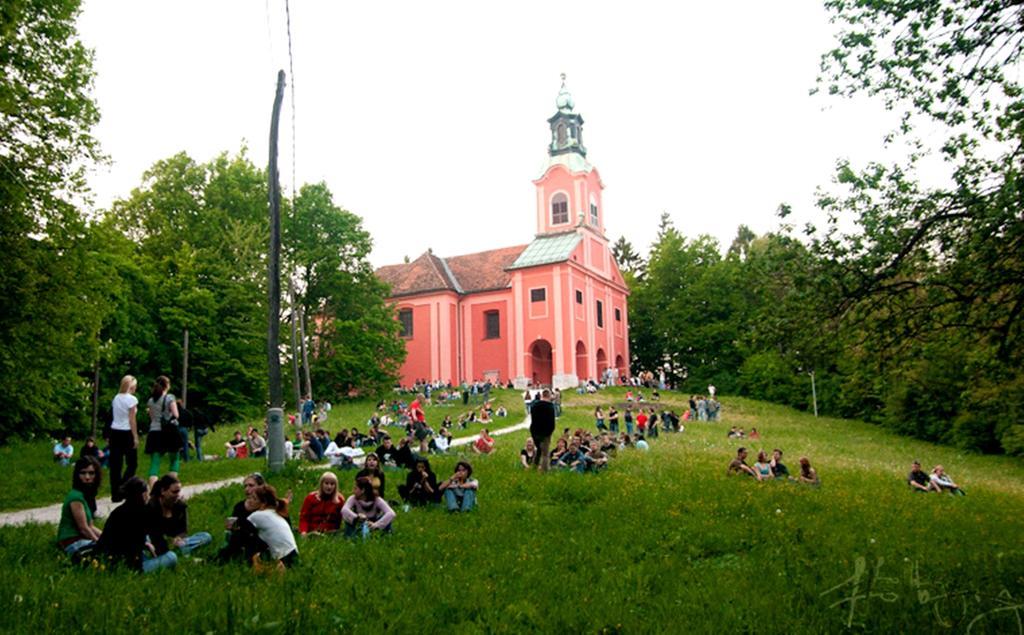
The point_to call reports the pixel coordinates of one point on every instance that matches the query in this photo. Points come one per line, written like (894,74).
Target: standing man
(542,426)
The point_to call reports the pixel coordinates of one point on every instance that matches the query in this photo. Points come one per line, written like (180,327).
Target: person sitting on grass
(387,453)
(484,443)
(365,512)
(919,480)
(170,517)
(608,445)
(241,543)
(372,470)
(808,475)
(528,455)
(754,434)
(257,444)
(236,448)
(125,539)
(779,469)
(91,449)
(75,531)
(270,523)
(940,479)
(561,446)
(349,453)
(739,465)
(63,451)
(321,510)
(501,412)
(573,458)
(597,459)
(763,467)
(442,442)
(460,489)
(640,442)
(625,441)
(404,457)
(420,485)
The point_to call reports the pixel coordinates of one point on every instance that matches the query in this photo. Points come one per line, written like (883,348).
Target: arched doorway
(540,363)
(581,361)
(620,367)
(602,364)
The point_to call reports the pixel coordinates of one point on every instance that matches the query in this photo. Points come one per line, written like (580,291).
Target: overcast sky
(428,119)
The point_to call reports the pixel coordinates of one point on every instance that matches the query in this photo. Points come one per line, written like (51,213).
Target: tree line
(89,297)
(906,298)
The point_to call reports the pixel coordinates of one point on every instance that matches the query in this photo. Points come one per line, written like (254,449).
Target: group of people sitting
(146,532)
(772,469)
(738,433)
(938,481)
(149,530)
(253,444)
(581,451)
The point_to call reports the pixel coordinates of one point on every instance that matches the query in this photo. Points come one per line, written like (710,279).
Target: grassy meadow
(662,541)
(40,481)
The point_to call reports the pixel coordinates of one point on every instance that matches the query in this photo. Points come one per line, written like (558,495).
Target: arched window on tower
(593,213)
(559,209)
(560,135)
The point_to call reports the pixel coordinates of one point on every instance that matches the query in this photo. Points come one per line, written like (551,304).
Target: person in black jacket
(420,485)
(125,536)
(542,426)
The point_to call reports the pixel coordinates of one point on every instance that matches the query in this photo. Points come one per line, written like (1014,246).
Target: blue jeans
(460,500)
(183,431)
(199,442)
(195,541)
(152,563)
(629,428)
(78,545)
(613,425)
(358,529)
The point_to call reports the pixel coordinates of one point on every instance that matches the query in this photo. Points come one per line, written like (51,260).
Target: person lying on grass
(270,523)
(76,531)
(125,539)
(321,510)
(528,455)
(919,480)
(365,512)
(808,475)
(170,518)
(420,485)
(763,467)
(372,470)
(460,489)
(739,465)
(484,443)
(944,482)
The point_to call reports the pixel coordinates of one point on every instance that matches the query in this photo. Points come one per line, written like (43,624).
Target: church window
(538,295)
(618,315)
(560,135)
(559,209)
(492,325)
(579,297)
(405,319)
(600,314)
(593,214)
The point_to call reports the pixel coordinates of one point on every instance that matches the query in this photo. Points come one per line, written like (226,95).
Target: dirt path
(51,513)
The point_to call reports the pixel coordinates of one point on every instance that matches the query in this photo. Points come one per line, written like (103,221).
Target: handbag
(169,432)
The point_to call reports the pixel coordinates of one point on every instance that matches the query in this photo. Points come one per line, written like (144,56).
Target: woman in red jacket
(321,511)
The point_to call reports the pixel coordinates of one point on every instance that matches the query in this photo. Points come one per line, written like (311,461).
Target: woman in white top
(124,436)
(270,523)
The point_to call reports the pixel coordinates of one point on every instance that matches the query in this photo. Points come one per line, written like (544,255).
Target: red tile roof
(482,271)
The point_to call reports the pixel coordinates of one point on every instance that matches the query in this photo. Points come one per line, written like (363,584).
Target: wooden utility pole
(184,373)
(95,396)
(295,348)
(305,352)
(275,424)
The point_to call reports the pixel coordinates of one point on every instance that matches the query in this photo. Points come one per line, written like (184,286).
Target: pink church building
(551,312)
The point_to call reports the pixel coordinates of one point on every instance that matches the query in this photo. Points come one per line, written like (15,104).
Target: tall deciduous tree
(47,280)
(356,345)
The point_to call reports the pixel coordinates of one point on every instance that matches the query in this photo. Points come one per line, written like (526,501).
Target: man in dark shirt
(542,426)
(388,453)
(739,465)
(779,469)
(919,480)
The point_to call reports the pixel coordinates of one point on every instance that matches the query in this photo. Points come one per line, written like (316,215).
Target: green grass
(33,480)
(661,541)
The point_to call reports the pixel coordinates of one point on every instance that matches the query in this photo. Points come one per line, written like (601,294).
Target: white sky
(428,119)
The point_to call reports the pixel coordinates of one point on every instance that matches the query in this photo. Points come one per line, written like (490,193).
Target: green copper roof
(547,249)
